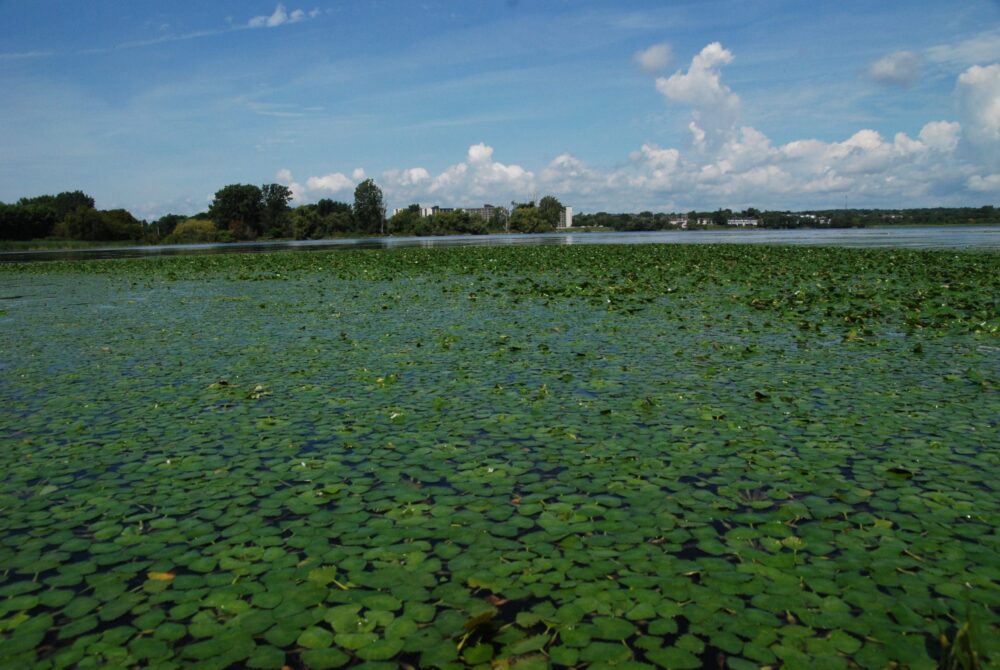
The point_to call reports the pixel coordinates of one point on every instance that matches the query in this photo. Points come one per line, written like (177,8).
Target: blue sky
(620,106)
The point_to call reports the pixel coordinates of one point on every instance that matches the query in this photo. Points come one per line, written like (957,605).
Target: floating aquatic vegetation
(629,457)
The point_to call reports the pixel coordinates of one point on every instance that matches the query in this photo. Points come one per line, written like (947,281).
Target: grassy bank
(528,457)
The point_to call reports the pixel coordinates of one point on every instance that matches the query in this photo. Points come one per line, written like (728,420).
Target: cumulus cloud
(978,91)
(568,176)
(900,68)
(284,176)
(701,86)
(409,177)
(941,135)
(280,17)
(479,176)
(480,153)
(732,164)
(477,179)
(714,106)
(331,183)
(655,58)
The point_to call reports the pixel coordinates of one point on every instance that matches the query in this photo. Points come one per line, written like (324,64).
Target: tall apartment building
(566,217)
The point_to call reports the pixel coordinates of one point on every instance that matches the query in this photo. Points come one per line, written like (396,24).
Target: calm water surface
(916,237)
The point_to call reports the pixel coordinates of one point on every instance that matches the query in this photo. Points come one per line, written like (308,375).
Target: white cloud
(477,179)
(978,92)
(701,86)
(729,164)
(284,176)
(481,177)
(941,135)
(987,184)
(408,177)
(566,175)
(657,158)
(655,58)
(900,68)
(714,106)
(331,183)
(358,174)
(280,17)
(480,153)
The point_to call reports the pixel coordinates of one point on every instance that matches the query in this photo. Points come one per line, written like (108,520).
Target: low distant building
(424,211)
(742,223)
(566,217)
(486,212)
(679,222)
(813,218)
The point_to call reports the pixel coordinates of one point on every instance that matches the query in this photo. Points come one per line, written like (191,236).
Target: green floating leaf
(380,650)
(315,638)
(607,628)
(323,659)
(674,658)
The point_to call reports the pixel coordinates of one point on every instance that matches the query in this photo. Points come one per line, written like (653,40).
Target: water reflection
(949,237)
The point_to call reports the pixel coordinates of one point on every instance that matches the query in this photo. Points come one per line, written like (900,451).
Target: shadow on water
(915,237)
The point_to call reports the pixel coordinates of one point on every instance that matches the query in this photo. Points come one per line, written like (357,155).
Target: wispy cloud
(281,16)
(979,49)
(25,55)
(135,44)
(277,110)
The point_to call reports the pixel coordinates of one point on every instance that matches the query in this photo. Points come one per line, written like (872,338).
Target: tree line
(783,219)
(249,212)
(67,215)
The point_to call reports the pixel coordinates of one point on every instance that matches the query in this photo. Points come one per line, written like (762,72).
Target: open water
(912,237)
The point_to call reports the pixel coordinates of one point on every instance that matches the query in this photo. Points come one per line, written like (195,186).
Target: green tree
(369,210)
(405,221)
(26,222)
(238,208)
(528,220)
(498,220)
(274,209)
(62,203)
(191,231)
(549,209)
(166,224)
(306,223)
(326,207)
(90,224)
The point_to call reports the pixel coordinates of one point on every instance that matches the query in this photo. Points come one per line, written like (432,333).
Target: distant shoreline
(48,244)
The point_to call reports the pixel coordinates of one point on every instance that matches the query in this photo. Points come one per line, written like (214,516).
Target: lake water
(912,237)
(672,457)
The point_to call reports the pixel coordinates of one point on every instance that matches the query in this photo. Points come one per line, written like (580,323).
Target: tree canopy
(238,208)
(369,210)
(526,219)
(549,208)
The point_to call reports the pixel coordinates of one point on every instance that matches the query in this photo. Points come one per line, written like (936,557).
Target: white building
(741,223)
(566,218)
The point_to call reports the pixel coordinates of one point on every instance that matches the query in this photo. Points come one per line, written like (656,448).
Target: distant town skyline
(629,106)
